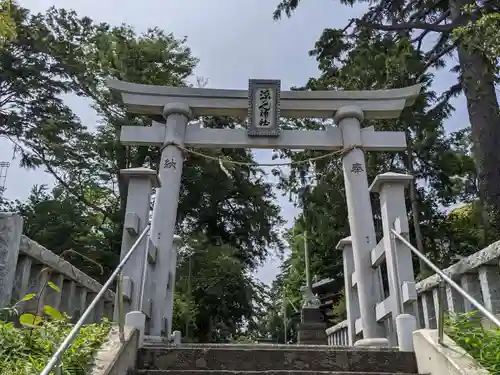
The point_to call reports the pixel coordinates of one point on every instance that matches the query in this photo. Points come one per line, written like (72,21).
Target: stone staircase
(214,359)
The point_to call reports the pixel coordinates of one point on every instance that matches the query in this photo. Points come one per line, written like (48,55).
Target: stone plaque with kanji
(263,107)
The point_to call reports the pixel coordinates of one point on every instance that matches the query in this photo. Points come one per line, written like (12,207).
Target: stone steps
(219,372)
(273,359)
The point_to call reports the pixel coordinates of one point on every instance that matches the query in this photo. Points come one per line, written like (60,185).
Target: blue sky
(235,40)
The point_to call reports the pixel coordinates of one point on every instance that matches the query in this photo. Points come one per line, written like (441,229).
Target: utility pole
(4,167)
(306,255)
(190,271)
(309,298)
(285,320)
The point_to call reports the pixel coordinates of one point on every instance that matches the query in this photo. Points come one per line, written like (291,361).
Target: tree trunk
(484,116)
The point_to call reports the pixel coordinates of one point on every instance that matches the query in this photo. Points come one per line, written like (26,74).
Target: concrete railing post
(140,183)
(406,324)
(176,338)
(489,281)
(350,291)
(11,228)
(391,188)
(137,320)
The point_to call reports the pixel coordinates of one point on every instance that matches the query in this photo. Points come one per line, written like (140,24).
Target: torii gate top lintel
(376,104)
(264,104)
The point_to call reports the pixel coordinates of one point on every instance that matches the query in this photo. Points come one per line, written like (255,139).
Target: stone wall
(27,267)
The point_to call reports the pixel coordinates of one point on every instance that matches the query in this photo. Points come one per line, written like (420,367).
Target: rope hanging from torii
(224,160)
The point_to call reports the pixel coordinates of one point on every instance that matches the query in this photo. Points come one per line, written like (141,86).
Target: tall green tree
(441,164)
(217,282)
(429,27)
(32,113)
(483,33)
(68,228)
(278,317)
(59,52)
(209,199)
(83,56)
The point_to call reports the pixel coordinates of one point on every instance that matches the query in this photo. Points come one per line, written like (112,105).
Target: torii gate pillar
(360,218)
(177,116)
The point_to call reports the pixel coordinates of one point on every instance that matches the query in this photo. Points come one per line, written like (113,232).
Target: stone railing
(478,275)
(27,267)
(338,335)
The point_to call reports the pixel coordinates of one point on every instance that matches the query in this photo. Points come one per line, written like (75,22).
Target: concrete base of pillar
(312,315)
(372,343)
(312,334)
(312,329)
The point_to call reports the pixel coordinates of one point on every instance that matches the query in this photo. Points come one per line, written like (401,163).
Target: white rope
(224,160)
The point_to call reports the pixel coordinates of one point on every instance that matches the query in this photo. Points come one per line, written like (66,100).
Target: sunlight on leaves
(28,297)
(54,286)
(30,320)
(53,313)
(7,24)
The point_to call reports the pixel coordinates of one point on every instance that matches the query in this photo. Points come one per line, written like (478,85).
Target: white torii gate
(264,104)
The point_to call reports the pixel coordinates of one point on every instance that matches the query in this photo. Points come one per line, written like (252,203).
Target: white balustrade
(478,274)
(32,267)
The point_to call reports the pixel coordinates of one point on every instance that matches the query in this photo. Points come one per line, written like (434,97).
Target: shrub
(27,345)
(26,351)
(482,344)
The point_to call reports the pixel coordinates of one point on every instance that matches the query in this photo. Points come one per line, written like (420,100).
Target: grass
(482,344)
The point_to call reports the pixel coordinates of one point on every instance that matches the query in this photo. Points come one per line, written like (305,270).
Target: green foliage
(185,312)
(82,217)
(25,348)
(248,338)
(324,262)
(482,344)
(28,340)
(216,294)
(483,34)
(26,351)
(339,309)
(278,317)
(67,227)
(397,44)
(7,25)
(368,55)
(30,320)
(465,225)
